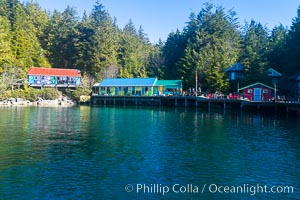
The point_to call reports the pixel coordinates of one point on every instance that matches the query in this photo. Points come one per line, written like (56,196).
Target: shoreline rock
(39,103)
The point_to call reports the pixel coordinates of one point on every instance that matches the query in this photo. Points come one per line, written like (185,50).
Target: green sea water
(147,153)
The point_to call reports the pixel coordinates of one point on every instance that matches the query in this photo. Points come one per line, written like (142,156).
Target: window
(249,91)
(233,76)
(265,91)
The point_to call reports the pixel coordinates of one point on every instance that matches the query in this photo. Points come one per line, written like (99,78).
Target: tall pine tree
(6,54)
(60,38)
(26,46)
(105,41)
(292,56)
(255,47)
(213,46)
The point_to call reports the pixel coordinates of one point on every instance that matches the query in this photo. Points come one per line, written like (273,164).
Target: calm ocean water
(147,153)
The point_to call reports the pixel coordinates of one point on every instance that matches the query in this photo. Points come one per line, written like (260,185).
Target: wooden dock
(201,102)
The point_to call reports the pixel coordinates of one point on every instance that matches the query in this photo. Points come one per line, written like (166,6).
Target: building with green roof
(168,87)
(137,87)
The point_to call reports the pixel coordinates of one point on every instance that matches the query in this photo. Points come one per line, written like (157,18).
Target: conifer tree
(212,46)
(105,40)
(26,46)
(132,53)
(292,56)
(156,65)
(172,51)
(84,46)
(255,46)
(277,41)
(6,55)
(60,38)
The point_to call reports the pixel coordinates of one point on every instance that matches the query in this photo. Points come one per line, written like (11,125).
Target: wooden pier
(199,102)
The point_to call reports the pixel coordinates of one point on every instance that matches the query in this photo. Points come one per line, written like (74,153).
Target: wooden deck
(192,101)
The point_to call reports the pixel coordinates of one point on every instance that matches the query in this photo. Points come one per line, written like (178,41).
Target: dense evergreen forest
(211,41)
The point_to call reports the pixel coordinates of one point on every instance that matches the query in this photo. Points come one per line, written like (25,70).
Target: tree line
(212,41)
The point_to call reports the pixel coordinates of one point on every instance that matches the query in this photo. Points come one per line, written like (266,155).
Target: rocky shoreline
(61,102)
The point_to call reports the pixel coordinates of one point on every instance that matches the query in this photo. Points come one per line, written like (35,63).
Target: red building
(258,92)
(53,77)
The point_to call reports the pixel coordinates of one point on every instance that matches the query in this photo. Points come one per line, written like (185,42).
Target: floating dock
(195,101)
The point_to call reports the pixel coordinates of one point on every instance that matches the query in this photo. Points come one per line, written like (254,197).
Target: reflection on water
(93,153)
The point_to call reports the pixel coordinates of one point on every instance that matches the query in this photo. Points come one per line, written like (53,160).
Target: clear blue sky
(160,17)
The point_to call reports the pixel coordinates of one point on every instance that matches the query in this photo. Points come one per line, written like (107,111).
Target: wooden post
(238,87)
(196,88)
(275,91)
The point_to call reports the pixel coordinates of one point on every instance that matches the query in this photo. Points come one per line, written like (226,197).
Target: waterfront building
(235,73)
(137,87)
(53,77)
(258,92)
(275,75)
(168,87)
(294,85)
(126,86)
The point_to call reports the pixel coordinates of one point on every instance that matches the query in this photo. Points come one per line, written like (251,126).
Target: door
(257,94)
(143,91)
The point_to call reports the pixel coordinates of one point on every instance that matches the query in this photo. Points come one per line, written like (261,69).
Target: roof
(96,85)
(236,68)
(53,72)
(110,82)
(256,84)
(177,83)
(295,77)
(273,73)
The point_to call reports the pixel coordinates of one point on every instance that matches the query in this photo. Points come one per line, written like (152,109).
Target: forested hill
(212,41)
